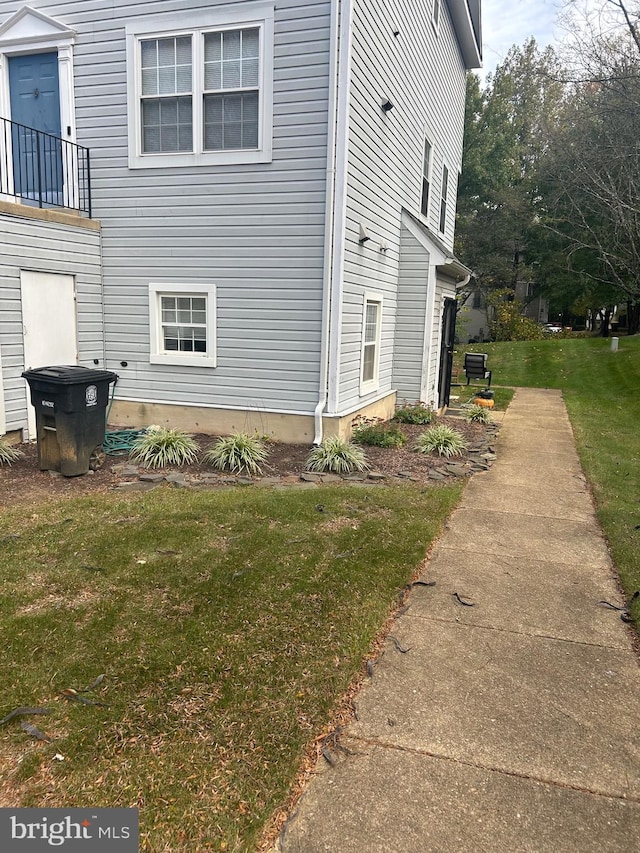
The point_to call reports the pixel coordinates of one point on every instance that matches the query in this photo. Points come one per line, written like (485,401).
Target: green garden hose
(119,442)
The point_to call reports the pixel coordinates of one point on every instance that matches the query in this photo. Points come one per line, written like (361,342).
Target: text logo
(36,830)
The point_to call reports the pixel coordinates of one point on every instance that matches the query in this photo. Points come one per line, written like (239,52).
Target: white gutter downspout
(334,234)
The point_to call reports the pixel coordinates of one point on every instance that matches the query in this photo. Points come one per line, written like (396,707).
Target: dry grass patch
(222,665)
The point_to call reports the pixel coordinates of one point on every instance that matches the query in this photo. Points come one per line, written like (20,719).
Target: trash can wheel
(96,460)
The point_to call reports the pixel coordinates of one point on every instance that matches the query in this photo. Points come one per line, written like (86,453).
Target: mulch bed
(24,482)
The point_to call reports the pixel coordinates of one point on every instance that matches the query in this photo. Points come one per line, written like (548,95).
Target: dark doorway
(446,351)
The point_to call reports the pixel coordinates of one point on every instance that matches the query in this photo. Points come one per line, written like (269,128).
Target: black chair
(475,366)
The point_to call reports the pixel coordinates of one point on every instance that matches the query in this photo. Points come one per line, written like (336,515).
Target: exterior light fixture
(364,235)
(387,106)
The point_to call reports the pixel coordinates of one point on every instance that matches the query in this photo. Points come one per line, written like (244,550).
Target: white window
(426,179)
(182,324)
(371,333)
(435,14)
(444,192)
(200,88)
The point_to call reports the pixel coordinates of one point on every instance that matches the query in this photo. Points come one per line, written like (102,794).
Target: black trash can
(71,404)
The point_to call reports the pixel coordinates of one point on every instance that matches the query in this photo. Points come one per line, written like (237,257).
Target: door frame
(29,31)
(447,344)
(27,282)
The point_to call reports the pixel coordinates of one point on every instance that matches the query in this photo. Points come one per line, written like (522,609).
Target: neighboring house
(264,237)
(475,316)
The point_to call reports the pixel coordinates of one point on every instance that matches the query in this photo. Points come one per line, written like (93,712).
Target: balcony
(42,170)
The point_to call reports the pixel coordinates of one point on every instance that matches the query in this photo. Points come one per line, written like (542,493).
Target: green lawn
(602,392)
(228,625)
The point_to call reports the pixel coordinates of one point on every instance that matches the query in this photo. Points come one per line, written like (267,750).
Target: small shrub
(414,414)
(159,447)
(338,456)
(478,415)
(376,433)
(237,452)
(8,454)
(442,440)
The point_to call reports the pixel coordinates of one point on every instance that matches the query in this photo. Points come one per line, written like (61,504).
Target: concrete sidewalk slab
(564,501)
(514,703)
(533,597)
(557,540)
(511,725)
(414,803)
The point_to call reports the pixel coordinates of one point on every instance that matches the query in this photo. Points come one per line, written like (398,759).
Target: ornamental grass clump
(337,456)
(238,452)
(414,414)
(159,447)
(8,454)
(478,415)
(442,440)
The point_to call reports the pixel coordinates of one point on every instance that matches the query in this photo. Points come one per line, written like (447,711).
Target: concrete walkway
(512,725)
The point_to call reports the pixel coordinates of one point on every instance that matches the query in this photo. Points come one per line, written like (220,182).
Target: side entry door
(35,105)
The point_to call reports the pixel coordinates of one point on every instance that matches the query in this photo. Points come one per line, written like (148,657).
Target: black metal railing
(42,169)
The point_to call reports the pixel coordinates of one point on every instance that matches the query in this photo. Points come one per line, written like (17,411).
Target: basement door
(48,324)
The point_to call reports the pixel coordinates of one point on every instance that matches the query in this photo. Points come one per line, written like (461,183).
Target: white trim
(340,202)
(332,136)
(29,31)
(371,298)
(157,355)
(260,15)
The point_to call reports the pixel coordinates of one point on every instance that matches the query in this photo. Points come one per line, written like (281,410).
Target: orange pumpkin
(480,401)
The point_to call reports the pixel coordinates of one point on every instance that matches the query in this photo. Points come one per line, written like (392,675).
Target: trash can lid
(70,374)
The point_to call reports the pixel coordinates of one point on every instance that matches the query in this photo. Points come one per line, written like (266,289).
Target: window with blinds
(426,179)
(203,93)
(167,97)
(231,89)
(182,324)
(444,192)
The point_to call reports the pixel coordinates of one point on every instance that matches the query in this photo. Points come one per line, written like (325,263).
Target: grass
(228,624)
(601,391)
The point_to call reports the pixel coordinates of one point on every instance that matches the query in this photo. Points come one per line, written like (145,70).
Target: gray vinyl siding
(423,75)
(255,231)
(29,244)
(413,284)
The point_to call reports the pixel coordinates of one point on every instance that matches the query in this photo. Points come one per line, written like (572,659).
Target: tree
(592,169)
(507,127)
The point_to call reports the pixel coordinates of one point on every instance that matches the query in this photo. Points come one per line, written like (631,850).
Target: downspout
(340,15)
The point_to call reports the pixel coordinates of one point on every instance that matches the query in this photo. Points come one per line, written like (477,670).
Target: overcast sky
(508,22)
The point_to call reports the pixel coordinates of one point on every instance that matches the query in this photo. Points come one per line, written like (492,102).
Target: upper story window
(435,14)
(426,179)
(443,198)
(201,88)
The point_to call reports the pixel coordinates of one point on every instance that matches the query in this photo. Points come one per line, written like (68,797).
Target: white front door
(48,324)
